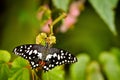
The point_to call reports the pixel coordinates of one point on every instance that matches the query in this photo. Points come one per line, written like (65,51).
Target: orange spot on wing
(42,63)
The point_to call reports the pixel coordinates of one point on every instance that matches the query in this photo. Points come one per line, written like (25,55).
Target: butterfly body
(45,57)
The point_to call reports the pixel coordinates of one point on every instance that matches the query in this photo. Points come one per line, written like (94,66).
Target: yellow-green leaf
(61,4)
(4,68)
(4,56)
(4,71)
(78,70)
(19,70)
(94,72)
(110,65)
(55,74)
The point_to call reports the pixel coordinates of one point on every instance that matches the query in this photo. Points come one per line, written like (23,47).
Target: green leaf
(4,56)
(78,69)
(61,4)
(21,74)
(4,69)
(55,74)
(19,63)
(105,9)
(116,53)
(19,70)
(93,72)
(110,66)
(113,3)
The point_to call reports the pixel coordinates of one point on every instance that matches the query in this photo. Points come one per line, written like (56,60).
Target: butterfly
(43,56)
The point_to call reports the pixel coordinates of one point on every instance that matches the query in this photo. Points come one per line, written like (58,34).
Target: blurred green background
(94,38)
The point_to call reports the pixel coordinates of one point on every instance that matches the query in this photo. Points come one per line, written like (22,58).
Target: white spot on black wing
(20,50)
(54,55)
(32,62)
(27,51)
(56,62)
(39,55)
(52,65)
(65,60)
(36,64)
(28,48)
(48,56)
(30,52)
(24,55)
(58,57)
(45,67)
(62,61)
(21,47)
(62,54)
(61,51)
(29,58)
(35,51)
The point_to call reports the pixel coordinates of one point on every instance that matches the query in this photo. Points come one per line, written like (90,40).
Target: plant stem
(56,21)
(33,77)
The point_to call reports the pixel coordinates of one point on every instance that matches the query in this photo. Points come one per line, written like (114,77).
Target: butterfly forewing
(41,56)
(31,52)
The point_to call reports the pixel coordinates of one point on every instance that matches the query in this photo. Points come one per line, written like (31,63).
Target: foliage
(105,10)
(4,69)
(90,30)
(78,70)
(57,72)
(19,70)
(84,69)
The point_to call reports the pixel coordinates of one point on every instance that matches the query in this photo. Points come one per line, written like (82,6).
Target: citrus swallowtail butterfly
(45,57)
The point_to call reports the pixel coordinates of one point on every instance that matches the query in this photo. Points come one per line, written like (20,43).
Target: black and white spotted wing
(41,56)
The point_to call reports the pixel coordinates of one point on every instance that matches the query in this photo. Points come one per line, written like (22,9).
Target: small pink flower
(68,22)
(71,19)
(74,9)
(46,28)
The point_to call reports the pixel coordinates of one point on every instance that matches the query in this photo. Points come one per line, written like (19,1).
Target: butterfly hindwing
(58,57)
